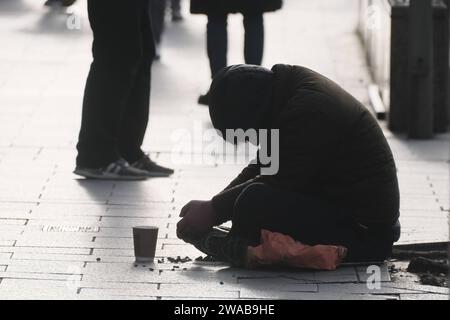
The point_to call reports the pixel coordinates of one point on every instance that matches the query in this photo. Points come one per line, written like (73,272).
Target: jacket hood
(241,98)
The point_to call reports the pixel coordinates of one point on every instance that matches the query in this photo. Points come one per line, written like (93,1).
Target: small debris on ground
(424,265)
(206,259)
(420,270)
(431,272)
(179,260)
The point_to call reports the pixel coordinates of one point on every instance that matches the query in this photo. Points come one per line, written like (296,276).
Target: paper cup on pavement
(145,240)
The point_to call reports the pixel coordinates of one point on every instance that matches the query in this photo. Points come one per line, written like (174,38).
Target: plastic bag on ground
(281,250)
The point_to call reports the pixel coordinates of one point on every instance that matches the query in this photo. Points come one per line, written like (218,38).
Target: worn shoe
(118,170)
(151,168)
(204,99)
(223,247)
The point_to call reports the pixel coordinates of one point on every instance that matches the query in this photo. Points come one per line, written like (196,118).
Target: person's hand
(198,217)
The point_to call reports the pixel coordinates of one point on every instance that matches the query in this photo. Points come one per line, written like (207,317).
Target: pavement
(66,238)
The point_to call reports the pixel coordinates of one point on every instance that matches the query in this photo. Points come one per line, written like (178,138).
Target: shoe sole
(158,175)
(93,176)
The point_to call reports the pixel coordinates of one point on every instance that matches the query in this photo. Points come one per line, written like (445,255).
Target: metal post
(420,119)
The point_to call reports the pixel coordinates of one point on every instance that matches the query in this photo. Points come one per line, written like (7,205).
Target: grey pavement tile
(10,234)
(119,243)
(277,284)
(5,256)
(382,289)
(61,240)
(100,294)
(105,252)
(130,222)
(47,250)
(12,289)
(68,257)
(42,266)
(40,276)
(7,243)
(205,278)
(197,291)
(412,287)
(425,296)
(118,286)
(122,292)
(119,272)
(264,294)
(150,210)
(170,250)
(13,222)
(84,221)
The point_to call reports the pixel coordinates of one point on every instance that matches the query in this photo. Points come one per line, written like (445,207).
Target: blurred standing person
(158,14)
(176,10)
(116,99)
(217,34)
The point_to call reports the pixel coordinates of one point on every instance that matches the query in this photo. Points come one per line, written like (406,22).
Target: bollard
(420,113)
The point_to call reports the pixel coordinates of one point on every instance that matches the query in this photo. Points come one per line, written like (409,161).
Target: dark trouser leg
(306,219)
(157,13)
(135,119)
(217,42)
(118,55)
(176,6)
(254,38)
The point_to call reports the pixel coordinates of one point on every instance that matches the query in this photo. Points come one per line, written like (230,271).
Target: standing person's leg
(117,52)
(135,119)
(176,10)
(217,47)
(254,38)
(217,42)
(157,14)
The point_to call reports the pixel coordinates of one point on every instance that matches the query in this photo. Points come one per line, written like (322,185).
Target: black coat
(330,146)
(234,6)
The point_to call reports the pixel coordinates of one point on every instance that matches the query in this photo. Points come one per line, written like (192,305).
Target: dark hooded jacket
(330,146)
(234,6)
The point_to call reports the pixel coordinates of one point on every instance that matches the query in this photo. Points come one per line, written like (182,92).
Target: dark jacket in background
(330,146)
(234,6)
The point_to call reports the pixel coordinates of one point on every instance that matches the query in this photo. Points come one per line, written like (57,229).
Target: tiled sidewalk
(66,238)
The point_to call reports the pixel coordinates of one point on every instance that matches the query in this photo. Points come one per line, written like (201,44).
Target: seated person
(337,180)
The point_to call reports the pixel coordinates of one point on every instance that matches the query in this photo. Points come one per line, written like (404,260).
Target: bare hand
(198,218)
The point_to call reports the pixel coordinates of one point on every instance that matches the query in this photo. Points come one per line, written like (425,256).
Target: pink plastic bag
(280,250)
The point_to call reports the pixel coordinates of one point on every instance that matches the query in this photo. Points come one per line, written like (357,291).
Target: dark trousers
(117,93)
(158,13)
(309,220)
(217,40)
